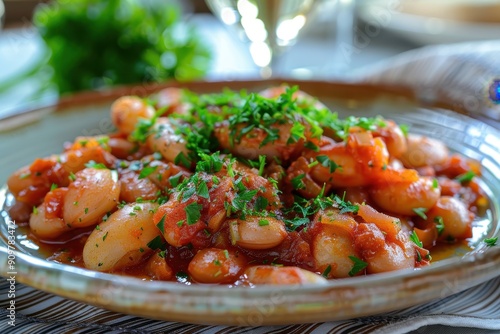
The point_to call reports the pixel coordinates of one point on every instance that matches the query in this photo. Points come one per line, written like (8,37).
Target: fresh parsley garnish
(146,171)
(193,213)
(358,266)
(327,162)
(465,177)
(490,242)
(439,224)
(414,238)
(420,212)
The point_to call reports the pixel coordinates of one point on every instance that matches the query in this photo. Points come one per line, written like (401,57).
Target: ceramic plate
(42,132)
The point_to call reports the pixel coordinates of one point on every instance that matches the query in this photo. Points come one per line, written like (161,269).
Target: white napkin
(460,74)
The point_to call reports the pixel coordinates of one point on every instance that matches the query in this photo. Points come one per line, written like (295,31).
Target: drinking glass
(269,26)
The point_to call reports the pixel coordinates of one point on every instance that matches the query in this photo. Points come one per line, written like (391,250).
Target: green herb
(174,180)
(261,203)
(143,129)
(182,159)
(72,176)
(263,222)
(345,206)
(414,238)
(327,271)
(296,133)
(97,227)
(157,243)
(435,184)
(420,212)
(311,146)
(86,210)
(105,236)
(202,189)
(491,241)
(141,41)
(53,187)
(405,129)
(35,210)
(326,162)
(358,266)
(217,262)
(193,213)
(262,164)
(297,182)
(24,175)
(465,177)
(296,222)
(226,253)
(146,171)
(95,165)
(439,224)
(161,224)
(210,164)
(141,250)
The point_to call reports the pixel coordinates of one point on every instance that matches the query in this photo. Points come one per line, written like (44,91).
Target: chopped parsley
(263,222)
(95,165)
(161,224)
(146,171)
(465,177)
(358,266)
(157,243)
(297,182)
(414,238)
(420,212)
(261,203)
(327,271)
(262,164)
(327,162)
(404,129)
(490,242)
(193,213)
(439,224)
(175,180)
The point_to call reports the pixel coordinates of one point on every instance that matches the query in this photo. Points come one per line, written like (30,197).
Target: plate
(424,29)
(42,132)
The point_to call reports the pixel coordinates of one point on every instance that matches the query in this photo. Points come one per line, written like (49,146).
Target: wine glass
(270,26)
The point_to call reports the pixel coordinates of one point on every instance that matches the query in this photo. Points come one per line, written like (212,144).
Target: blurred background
(52,48)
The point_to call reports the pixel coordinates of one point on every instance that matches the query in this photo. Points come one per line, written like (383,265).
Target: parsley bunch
(98,43)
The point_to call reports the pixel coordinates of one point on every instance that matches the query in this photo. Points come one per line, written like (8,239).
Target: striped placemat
(40,312)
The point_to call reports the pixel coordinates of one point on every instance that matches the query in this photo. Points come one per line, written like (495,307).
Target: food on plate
(246,189)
